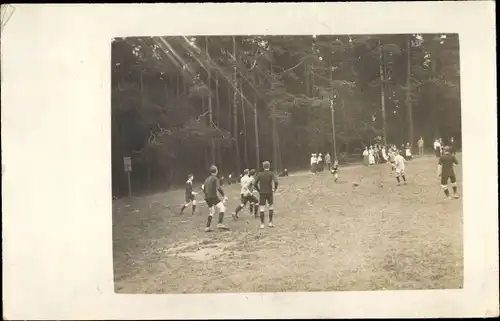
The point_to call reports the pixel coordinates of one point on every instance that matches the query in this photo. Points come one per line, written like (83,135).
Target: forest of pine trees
(180,104)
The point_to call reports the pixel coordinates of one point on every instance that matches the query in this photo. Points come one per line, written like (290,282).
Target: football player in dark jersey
(447,173)
(210,189)
(189,195)
(266,183)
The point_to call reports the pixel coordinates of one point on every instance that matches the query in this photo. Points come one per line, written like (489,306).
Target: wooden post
(129,184)
(127,162)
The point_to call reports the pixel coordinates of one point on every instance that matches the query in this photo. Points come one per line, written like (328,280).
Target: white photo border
(56,149)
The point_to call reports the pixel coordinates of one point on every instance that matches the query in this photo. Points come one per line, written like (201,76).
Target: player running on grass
(254,203)
(264,185)
(446,172)
(399,162)
(392,159)
(189,200)
(335,170)
(210,189)
(246,192)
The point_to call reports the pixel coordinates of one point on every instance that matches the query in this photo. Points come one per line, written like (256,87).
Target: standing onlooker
(328,161)
(376,154)
(366,156)
(320,162)
(437,147)
(384,154)
(421,146)
(371,156)
(408,151)
(453,147)
(313,163)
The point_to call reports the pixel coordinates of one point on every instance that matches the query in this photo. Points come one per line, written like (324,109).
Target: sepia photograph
(249,161)
(259,163)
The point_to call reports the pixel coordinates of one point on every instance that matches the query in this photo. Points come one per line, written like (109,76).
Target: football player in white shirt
(254,202)
(400,167)
(246,192)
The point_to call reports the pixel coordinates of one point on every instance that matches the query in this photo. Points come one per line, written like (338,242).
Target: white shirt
(400,162)
(437,144)
(320,159)
(246,183)
(313,160)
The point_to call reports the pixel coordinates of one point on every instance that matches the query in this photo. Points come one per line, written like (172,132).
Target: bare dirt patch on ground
(328,237)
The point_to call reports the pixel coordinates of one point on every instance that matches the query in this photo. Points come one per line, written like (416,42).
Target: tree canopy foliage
(181,103)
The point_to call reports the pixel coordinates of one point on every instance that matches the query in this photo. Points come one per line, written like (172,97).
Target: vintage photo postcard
(249,160)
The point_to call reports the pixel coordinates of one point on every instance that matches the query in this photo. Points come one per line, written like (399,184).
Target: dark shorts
(445,178)
(212,201)
(189,198)
(266,199)
(248,198)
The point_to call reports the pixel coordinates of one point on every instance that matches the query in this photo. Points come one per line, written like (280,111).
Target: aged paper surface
(56,150)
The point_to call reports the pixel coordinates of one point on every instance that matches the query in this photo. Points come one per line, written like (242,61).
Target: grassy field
(328,237)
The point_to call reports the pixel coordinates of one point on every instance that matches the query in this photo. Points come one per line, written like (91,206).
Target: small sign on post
(127,162)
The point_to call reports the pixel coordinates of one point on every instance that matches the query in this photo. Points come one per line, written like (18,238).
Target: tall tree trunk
(332,111)
(275,140)
(256,125)
(311,74)
(143,105)
(306,79)
(278,166)
(408,94)
(178,86)
(243,114)
(205,156)
(274,128)
(217,106)
(387,91)
(166,94)
(432,94)
(210,112)
(230,109)
(382,92)
(235,110)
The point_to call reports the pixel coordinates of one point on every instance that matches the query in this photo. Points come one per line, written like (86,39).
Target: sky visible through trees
(180,104)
